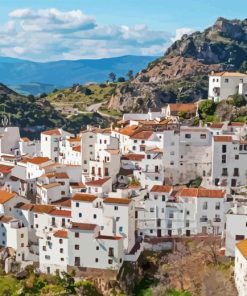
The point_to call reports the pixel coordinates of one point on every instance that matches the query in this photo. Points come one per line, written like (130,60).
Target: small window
(77,234)
(60,241)
(239,237)
(61,250)
(187,136)
(80,215)
(77,247)
(22,235)
(226,80)
(47,257)
(77,204)
(96,260)
(203,136)
(97,248)
(110,261)
(94,216)
(115,208)
(22,245)
(236,156)
(62,259)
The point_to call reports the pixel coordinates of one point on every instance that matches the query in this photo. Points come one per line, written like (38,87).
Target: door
(187,232)
(159,233)
(169,232)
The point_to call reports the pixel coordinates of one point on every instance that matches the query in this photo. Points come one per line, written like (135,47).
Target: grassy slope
(84,97)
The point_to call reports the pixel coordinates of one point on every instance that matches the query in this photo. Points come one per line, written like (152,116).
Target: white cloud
(180,32)
(51,34)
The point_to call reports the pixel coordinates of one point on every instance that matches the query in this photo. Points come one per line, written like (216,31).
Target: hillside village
(93,201)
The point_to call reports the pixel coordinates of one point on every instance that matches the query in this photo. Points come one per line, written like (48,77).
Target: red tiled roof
(38,160)
(42,209)
(63,202)
(6,196)
(5,169)
(6,219)
(77,148)
(161,188)
(228,74)
(109,237)
(216,125)
(133,157)
(75,185)
(83,226)
(143,135)
(84,197)
(222,138)
(237,124)
(54,132)
(115,200)
(61,233)
(201,192)
(183,107)
(98,182)
(242,247)
(128,130)
(62,213)
(51,185)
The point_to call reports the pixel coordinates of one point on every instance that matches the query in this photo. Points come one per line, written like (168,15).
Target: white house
(224,84)
(240,268)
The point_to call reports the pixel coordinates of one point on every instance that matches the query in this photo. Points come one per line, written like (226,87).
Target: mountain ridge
(182,73)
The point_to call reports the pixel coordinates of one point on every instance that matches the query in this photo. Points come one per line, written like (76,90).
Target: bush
(207,108)
(238,100)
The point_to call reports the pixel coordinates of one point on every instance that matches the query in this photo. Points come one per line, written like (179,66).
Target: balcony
(204,219)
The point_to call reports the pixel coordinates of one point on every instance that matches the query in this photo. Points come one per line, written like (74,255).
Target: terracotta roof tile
(37,160)
(42,209)
(229,74)
(54,132)
(62,213)
(6,196)
(133,157)
(5,169)
(61,233)
(242,247)
(217,125)
(128,130)
(222,138)
(77,148)
(124,201)
(84,197)
(237,124)
(83,226)
(109,237)
(161,188)
(75,185)
(98,182)
(112,151)
(6,219)
(63,202)
(200,192)
(183,107)
(143,135)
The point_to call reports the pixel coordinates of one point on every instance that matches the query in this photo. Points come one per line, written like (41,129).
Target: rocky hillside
(182,74)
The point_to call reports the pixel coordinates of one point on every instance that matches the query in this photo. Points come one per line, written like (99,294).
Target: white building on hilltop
(225,84)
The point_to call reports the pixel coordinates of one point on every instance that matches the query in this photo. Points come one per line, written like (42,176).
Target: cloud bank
(51,34)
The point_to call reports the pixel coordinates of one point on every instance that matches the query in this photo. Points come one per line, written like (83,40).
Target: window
(62,192)
(224,172)
(223,158)
(187,136)
(77,234)
(97,248)
(134,148)
(188,212)
(233,182)
(47,257)
(80,215)
(77,247)
(44,248)
(60,241)
(77,204)
(187,223)
(135,141)
(62,259)
(96,260)
(94,216)
(205,206)
(22,235)
(111,252)
(151,210)
(223,148)
(203,136)
(61,250)
(36,225)
(171,215)
(151,230)
(217,206)
(22,245)
(148,156)
(121,229)
(236,156)
(239,237)
(226,80)
(236,172)
(163,198)
(115,208)
(110,261)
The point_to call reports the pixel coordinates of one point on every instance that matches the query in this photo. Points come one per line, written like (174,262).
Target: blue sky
(73,29)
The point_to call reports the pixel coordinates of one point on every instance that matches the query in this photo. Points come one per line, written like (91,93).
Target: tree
(130,74)
(207,107)
(121,79)
(112,76)
(238,100)
(43,95)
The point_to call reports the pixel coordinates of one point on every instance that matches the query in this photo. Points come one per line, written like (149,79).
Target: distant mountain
(32,77)
(182,73)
